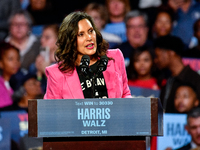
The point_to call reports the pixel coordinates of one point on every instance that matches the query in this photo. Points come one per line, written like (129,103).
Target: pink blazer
(67,86)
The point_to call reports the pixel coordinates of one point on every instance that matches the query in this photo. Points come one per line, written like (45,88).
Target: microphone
(102,66)
(84,65)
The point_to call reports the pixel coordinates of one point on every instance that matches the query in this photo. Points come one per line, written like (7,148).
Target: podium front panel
(95,117)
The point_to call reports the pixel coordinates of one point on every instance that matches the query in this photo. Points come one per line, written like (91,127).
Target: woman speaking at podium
(85,67)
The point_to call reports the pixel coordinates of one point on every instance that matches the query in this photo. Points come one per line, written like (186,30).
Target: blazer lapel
(74,85)
(110,76)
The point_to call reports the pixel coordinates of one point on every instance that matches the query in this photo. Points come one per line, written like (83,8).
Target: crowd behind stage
(159,39)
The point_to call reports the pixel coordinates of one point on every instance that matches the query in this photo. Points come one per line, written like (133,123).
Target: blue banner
(5,134)
(19,123)
(175,135)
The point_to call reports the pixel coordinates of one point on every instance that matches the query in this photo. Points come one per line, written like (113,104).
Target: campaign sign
(94,117)
(5,134)
(175,135)
(19,123)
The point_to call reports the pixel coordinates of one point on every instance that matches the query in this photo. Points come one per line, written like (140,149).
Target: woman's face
(185,99)
(10,62)
(86,39)
(163,24)
(143,64)
(48,39)
(38,4)
(19,27)
(116,8)
(32,87)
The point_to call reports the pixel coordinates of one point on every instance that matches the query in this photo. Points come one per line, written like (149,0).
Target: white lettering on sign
(94,117)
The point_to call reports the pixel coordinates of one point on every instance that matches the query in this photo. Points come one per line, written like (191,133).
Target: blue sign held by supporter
(19,123)
(5,134)
(175,135)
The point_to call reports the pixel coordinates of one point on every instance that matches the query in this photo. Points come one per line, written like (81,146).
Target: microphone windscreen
(85,60)
(103,62)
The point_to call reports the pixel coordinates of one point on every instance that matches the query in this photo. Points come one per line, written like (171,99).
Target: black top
(92,87)
(185,147)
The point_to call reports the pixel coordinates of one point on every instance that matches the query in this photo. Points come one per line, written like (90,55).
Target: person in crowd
(100,16)
(137,33)
(117,10)
(30,89)
(150,8)
(46,56)
(168,51)
(141,71)
(43,12)
(85,67)
(7,7)
(163,24)
(195,51)
(185,98)
(193,128)
(9,65)
(186,12)
(21,37)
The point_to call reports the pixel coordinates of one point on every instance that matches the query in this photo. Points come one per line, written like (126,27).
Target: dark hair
(170,42)
(189,85)
(165,9)
(27,77)
(131,72)
(155,72)
(66,54)
(4,46)
(194,113)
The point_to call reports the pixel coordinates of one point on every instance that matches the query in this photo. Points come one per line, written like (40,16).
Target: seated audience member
(141,71)
(193,128)
(100,16)
(9,65)
(117,10)
(195,51)
(185,98)
(168,51)
(30,89)
(21,37)
(163,21)
(137,33)
(46,56)
(186,12)
(43,12)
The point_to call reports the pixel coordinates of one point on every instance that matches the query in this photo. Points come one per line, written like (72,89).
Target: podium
(95,124)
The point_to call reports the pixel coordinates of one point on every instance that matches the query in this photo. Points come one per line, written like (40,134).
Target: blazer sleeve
(126,90)
(54,83)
